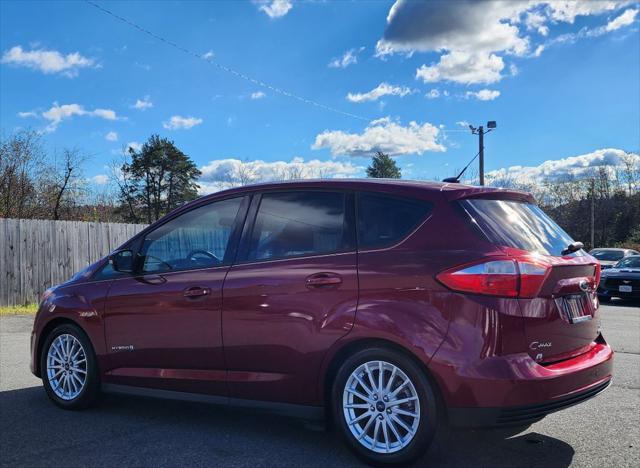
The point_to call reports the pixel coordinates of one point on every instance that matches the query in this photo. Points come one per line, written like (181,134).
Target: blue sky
(562,80)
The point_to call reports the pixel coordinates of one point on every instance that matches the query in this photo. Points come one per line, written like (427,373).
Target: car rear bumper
(522,415)
(517,390)
(604,291)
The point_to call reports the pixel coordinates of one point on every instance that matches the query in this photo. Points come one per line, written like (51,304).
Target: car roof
(426,189)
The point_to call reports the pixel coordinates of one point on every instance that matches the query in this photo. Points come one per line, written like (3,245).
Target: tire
(67,356)
(396,445)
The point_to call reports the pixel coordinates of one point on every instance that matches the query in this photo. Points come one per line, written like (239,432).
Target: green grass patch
(19,309)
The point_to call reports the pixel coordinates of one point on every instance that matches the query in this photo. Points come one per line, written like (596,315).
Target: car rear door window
(519,225)
(385,220)
(293,224)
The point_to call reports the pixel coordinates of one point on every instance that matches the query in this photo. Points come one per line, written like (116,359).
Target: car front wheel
(68,367)
(385,406)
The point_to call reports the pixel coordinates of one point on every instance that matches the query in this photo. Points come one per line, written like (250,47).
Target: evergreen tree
(383,167)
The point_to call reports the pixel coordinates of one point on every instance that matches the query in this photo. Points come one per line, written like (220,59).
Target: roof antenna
(456,179)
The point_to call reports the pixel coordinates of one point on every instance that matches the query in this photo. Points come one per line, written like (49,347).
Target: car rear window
(607,254)
(519,225)
(385,220)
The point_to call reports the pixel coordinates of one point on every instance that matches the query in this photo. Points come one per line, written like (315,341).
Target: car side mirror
(122,261)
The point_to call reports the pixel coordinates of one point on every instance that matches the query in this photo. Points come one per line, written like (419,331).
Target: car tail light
(507,278)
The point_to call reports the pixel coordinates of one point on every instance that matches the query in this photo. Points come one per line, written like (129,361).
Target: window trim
(395,243)
(248,232)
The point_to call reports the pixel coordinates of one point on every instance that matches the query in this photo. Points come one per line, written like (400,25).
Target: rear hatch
(557,287)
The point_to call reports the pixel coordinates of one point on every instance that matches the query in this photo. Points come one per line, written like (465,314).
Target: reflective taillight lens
(507,278)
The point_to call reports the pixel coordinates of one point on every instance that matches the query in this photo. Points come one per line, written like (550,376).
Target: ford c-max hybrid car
(392,308)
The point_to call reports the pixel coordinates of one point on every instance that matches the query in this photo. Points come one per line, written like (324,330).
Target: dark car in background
(608,257)
(390,307)
(622,280)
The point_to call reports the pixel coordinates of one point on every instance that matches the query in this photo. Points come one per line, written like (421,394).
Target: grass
(19,309)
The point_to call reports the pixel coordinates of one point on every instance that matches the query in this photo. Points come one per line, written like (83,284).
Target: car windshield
(629,262)
(519,225)
(612,255)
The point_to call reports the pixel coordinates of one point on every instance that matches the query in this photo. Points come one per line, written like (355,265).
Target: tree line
(146,183)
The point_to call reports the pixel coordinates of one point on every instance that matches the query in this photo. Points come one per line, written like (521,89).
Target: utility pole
(480,131)
(593,212)
(481,152)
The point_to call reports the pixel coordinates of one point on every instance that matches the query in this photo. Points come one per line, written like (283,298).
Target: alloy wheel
(66,366)
(381,407)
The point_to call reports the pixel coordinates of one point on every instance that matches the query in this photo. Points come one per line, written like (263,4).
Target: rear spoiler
(461,192)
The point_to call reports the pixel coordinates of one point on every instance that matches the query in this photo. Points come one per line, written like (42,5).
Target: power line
(224,68)
(236,73)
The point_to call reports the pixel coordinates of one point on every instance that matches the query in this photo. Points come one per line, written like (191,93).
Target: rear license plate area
(575,308)
(625,288)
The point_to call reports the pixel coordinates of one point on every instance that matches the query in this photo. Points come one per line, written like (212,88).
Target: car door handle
(323,280)
(197,292)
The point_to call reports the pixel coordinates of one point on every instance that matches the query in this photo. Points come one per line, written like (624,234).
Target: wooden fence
(36,254)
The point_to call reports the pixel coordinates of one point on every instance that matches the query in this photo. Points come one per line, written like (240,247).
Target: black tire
(431,415)
(88,396)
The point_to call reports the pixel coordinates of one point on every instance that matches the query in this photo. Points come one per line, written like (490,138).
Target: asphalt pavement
(127,431)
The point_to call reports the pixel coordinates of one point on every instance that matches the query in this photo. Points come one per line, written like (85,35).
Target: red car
(391,307)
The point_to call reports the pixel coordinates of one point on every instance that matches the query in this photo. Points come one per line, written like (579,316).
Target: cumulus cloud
(57,113)
(472,36)
(383,89)
(208,55)
(224,173)
(100,179)
(133,146)
(350,57)
(143,104)
(625,19)
(384,135)
(47,61)
(275,8)
(111,136)
(464,68)
(574,167)
(483,94)
(177,122)
(258,95)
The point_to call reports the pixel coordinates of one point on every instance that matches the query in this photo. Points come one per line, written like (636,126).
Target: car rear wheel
(385,406)
(68,368)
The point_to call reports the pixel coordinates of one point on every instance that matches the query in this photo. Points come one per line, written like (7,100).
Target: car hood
(622,272)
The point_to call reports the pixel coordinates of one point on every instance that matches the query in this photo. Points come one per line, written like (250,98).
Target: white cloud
(483,94)
(383,135)
(208,55)
(258,95)
(433,94)
(275,8)
(625,19)
(224,173)
(100,179)
(462,123)
(57,113)
(177,122)
(383,89)
(573,167)
(473,36)
(25,115)
(133,145)
(350,57)
(47,61)
(111,136)
(463,67)
(143,104)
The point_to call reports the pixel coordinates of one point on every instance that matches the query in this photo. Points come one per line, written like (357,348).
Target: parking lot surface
(126,431)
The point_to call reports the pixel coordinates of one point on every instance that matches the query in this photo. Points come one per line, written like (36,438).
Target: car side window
(292,224)
(196,239)
(384,220)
